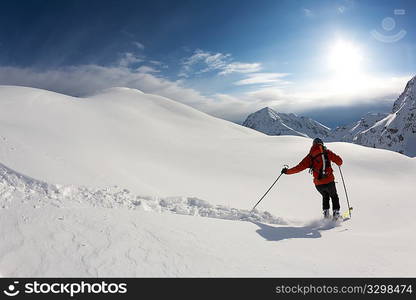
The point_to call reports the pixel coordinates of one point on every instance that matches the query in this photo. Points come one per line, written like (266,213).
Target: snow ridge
(17,189)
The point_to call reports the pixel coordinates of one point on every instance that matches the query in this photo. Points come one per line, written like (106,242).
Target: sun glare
(345,59)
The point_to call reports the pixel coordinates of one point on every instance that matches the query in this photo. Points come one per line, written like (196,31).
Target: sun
(345,58)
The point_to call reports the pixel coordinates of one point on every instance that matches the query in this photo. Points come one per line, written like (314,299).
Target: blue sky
(330,60)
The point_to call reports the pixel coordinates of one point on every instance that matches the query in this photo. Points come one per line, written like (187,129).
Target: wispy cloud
(202,61)
(138,45)
(237,67)
(308,12)
(146,69)
(262,78)
(129,59)
(158,63)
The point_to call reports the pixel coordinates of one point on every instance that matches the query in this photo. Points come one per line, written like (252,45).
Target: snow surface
(130,184)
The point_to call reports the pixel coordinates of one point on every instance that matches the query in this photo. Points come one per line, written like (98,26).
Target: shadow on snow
(310,231)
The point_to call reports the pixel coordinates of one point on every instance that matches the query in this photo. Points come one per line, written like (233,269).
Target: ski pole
(268,190)
(345,189)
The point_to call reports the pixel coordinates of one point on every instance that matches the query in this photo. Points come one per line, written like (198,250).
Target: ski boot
(326,214)
(335,215)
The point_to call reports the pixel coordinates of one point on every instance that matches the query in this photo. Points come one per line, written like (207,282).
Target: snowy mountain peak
(270,122)
(407,98)
(397,131)
(348,133)
(268,112)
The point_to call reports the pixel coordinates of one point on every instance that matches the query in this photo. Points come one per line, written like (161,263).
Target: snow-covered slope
(397,131)
(146,143)
(129,184)
(270,122)
(348,133)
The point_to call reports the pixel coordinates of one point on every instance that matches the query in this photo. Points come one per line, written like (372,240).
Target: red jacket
(314,160)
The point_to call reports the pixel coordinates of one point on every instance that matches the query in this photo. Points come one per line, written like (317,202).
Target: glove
(284,171)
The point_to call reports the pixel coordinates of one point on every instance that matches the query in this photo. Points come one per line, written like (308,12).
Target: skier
(319,163)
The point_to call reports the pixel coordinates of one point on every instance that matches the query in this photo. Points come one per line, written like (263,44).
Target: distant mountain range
(395,131)
(270,122)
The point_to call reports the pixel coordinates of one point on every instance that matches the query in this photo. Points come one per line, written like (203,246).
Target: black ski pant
(329,191)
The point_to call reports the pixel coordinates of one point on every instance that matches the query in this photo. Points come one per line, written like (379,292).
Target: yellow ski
(347,214)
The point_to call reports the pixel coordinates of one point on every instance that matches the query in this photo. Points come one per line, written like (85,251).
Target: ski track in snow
(85,216)
(16,189)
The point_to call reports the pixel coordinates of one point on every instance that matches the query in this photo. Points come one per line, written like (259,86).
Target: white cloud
(237,67)
(139,45)
(216,61)
(146,69)
(298,97)
(129,59)
(158,63)
(258,78)
(367,89)
(202,62)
